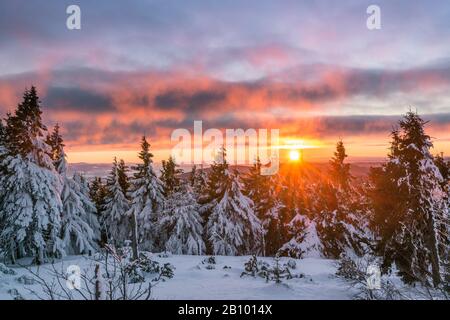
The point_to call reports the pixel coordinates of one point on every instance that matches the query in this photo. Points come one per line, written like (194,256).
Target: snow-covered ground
(192,280)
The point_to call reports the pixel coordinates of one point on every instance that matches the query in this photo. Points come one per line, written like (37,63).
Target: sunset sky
(310,68)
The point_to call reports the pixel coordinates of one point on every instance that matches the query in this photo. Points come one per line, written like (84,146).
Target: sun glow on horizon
(294,155)
(299,144)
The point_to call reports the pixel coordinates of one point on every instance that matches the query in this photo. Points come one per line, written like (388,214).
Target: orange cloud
(97,109)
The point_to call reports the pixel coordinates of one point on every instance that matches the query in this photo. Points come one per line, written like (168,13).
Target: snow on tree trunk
(99,282)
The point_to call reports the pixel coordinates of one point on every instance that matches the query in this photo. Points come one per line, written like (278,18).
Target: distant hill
(90,170)
(358,169)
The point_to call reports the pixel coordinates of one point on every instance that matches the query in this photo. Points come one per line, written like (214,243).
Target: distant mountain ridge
(358,169)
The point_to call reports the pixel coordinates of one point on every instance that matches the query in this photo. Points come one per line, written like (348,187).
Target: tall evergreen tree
(170,176)
(3,150)
(303,239)
(340,171)
(2,141)
(31,206)
(182,223)
(232,227)
(25,130)
(410,211)
(444,169)
(3,154)
(215,185)
(97,194)
(56,143)
(197,181)
(114,220)
(193,175)
(122,176)
(260,189)
(57,154)
(147,200)
(293,213)
(88,205)
(341,223)
(79,226)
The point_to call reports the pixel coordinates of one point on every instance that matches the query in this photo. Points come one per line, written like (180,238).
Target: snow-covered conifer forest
(220,232)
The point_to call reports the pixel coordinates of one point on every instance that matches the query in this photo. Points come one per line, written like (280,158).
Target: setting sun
(294,155)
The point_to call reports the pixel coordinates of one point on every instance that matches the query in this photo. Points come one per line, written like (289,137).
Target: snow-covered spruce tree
(340,221)
(80,229)
(182,224)
(3,150)
(31,204)
(56,143)
(294,215)
(79,226)
(193,175)
(197,180)
(170,176)
(3,153)
(2,132)
(147,200)
(115,220)
(97,194)
(232,226)
(340,171)
(410,212)
(89,206)
(81,180)
(266,206)
(444,169)
(304,241)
